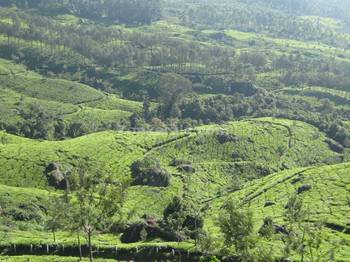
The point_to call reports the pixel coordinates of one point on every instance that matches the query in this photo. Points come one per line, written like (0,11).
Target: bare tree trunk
(90,246)
(79,246)
(302,246)
(54,235)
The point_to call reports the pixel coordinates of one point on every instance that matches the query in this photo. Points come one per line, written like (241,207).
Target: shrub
(267,229)
(304,188)
(182,217)
(186,168)
(224,137)
(178,162)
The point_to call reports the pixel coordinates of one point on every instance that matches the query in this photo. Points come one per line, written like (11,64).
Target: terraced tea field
(223,157)
(73,102)
(325,200)
(189,105)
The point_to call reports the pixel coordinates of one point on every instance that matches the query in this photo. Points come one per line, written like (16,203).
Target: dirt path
(167,142)
(290,137)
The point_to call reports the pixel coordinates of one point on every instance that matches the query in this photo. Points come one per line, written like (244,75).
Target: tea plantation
(173,130)
(325,199)
(222,159)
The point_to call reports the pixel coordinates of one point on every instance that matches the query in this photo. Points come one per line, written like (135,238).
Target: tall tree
(237,227)
(96,203)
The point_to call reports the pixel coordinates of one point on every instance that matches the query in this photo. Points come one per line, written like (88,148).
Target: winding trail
(290,137)
(167,142)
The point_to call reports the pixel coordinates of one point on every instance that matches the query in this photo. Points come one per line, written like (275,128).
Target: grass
(12,102)
(50,89)
(116,150)
(95,117)
(29,204)
(19,79)
(67,19)
(238,168)
(220,169)
(92,118)
(280,44)
(324,21)
(29,83)
(262,144)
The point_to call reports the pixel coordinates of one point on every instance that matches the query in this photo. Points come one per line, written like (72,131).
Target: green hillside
(134,130)
(257,148)
(326,201)
(70,101)
(225,158)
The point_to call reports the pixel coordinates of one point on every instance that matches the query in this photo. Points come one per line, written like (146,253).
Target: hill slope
(327,201)
(21,89)
(223,157)
(258,89)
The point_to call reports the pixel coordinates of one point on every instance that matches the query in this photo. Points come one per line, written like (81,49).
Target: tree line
(281,19)
(122,11)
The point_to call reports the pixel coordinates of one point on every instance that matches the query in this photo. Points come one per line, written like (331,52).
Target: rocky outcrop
(186,168)
(224,137)
(304,188)
(55,176)
(148,230)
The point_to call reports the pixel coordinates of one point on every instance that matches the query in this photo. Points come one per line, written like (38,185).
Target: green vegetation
(48,258)
(165,129)
(325,200)
(219,160)
(66,103)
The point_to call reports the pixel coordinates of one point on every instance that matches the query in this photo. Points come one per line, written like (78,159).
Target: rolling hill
(70,101)
(224,158)
(242,101)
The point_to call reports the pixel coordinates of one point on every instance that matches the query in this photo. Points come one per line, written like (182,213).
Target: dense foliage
(122,11)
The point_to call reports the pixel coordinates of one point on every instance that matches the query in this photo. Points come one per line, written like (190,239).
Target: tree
(258,60)
(303,238)
(146,110)
(171,89)
(184,218)
(37,123)
(207,243)
(56,213)
(237,227)
(96,202)
(76,129)
(60,129)
(134,121)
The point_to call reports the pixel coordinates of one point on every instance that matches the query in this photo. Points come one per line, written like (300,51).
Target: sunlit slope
(71,101)
(327,201)
(24,208)
(29,83)
(252,149)
(223,158)
(317,95)
(23,161)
